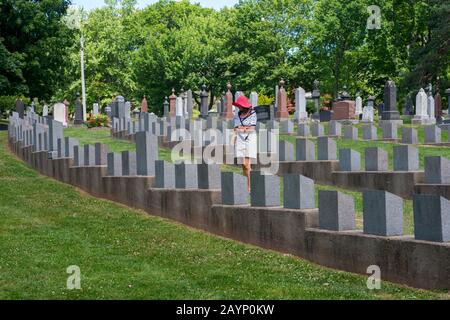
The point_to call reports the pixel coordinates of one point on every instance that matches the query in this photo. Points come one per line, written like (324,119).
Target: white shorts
(246,145)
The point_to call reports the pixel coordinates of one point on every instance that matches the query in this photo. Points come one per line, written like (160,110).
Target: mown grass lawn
(46,226)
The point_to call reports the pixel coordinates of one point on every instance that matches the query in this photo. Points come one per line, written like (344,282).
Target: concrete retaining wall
(401,259)
(436,189)
(399,183)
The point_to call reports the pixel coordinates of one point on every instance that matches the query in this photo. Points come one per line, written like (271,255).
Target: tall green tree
(33,44)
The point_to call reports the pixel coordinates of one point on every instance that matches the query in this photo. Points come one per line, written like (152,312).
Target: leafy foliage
(181,45)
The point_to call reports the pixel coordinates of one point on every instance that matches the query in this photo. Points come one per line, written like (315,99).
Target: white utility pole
(83,84)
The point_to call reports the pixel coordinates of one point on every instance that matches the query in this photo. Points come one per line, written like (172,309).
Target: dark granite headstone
(20,108)
(390,102)
(263,113)
(78,111)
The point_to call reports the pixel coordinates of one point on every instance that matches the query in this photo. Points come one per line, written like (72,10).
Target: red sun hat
(242,102)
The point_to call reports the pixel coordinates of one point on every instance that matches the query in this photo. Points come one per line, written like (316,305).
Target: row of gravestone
(382,211)
(406,159)
(433,133)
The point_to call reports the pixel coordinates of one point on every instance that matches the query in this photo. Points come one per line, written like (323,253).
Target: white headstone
(359,108)
(300,104)
(179,109)
(127,110)
(421,105)
(254,99)
(430,107)
(59,113)
(237,95)
(367,114)
(45,111)
(95,109)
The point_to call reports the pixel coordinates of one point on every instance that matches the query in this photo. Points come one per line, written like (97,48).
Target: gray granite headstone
(129,163)
(389,130)
(317,130)
(78,156)
(326,149)
(186,176)
(376,159)
(234,189)
(147,152)
(334,128)
(265,190)
(209,176)
(351,132)
(78,112)
(406,158)
(69,144)
(286,151)
(114,164)
(437,170)
(20,108)
(390,111)
(287,126)
(336,211)
(89,155)
(298,192)
(165,175)
(305,150)
(409,136)
(431,218)
(432,134)
(303,130)
(349,160)
(382,213)
(56,131)
(101,154)
(370,132)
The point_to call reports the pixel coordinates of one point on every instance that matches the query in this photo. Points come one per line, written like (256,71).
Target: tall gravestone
(78,111)
(282,112)
(189,103)
(300,105)
(204,103)
(20,108)
(144,105)
(421,106)
(146,153)
(390,102)
(172,104)
(166,108)
(228,113)
(59,113)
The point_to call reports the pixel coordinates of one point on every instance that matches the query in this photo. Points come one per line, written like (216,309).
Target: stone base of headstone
(396,122)
(419,121)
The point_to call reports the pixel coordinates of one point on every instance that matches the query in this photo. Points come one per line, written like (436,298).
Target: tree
(33,44)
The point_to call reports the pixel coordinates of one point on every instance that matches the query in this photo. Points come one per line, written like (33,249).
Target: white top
(248,121)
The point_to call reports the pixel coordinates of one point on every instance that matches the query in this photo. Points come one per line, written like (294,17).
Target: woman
(246,139)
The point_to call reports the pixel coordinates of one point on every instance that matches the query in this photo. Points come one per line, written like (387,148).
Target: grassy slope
(46,226)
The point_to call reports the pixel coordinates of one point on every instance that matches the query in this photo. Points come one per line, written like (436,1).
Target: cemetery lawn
(47,226)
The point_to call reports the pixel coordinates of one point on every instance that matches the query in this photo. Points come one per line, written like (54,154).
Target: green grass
(46,226)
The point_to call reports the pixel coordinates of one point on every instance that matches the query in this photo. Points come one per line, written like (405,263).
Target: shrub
(98,121)
(264,100)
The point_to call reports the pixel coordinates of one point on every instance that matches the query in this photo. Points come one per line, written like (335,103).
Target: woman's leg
(247,168)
